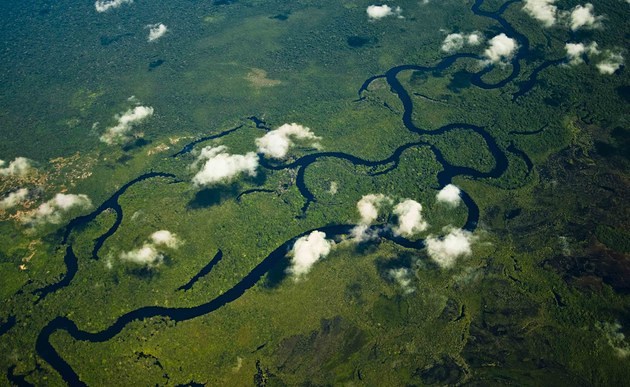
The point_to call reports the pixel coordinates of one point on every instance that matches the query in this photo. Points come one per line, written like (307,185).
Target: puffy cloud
(615,337)
(368,206)
(150,254)
(576,51)
(402,276)
(611,63)
(583,16)
(542,10)
(334,187)
(52,210)
(501,48)
(14,198)
(449,194)
(445,251)
(126,121)
(276,143)
(147,255)
(222,167)
(156,31)
(106,5)
(474,38)
(376,12)
(455,41)
(18,167)
(165,238)
(410,219)
(307,250)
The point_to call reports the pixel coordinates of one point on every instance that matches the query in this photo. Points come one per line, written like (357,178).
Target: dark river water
(46,350)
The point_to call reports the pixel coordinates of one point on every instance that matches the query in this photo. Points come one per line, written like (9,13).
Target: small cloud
(18,167)
(583,16)
(575,52)
(475,38)
(455,41)
(611,63)
(615,337)
(376,12)
(276,143)
(306,251)
(542,10)
(106,5)
(402,276)
(156,31)
(14,198)
(450,195)
(53,210)
(334,187)
(147,255)
(221,167)
(150,254)
(410,219)
(126,121)
(501,48)
(369,205)
(445,251)
(164,238)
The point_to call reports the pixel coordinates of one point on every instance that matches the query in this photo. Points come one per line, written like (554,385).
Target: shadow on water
(276,275)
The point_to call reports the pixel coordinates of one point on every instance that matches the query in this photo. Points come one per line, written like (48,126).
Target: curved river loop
(48,352)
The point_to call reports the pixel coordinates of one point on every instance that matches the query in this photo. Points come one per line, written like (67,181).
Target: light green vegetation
(548,262)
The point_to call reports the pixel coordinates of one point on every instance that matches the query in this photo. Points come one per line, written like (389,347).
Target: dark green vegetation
(537,303)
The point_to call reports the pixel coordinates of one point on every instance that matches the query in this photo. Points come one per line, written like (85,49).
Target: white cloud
(402,276)
(165,238)
(410,219)
(18,167)
(222,167)
(542,10)
(334,187)
(501,48)
(445,251)
(52,210)
(106,5)
(14,198)
(611,63)
(576,51)
(150,254)
(126,121)
(276,143)
(369,205)
(615,337)
(450,195)
(376,12)
(307,250)
(455,41)
(583,16)
(474,38)
(156,31)
(147,255)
